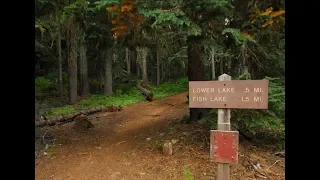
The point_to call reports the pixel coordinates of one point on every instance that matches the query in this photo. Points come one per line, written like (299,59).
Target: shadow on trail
(131,126)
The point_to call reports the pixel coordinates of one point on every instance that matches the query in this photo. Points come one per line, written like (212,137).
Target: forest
(129,62)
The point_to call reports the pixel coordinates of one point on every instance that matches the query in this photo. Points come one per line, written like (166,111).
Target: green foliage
(170,88)
(171,22)
(194,30)
(181,54)
(51,152)
(102,4)
(244,76)
(236,36)
(276,97)
(67,109)
(254,122)
(118,99)
(132,96)
(177,18)
(187,173)
(42,84)
(220,7)
(274,64)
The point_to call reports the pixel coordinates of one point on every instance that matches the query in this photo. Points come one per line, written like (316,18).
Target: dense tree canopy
(96,46)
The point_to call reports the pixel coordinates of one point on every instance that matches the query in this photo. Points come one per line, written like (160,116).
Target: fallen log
(144,84)
(148,94)
(71,117)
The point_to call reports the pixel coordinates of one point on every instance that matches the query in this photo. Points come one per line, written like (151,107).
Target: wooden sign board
(235,94)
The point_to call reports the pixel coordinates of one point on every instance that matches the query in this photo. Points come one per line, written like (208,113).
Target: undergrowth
(123,96)
(258,124)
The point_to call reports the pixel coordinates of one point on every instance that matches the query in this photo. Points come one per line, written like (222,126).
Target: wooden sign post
(225,95)
(224,116)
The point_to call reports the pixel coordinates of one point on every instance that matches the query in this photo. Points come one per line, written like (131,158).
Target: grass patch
(122,97)
(68,109)
(51,152)
(187,173)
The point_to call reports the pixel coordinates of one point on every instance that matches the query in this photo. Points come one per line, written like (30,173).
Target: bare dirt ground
(126,145)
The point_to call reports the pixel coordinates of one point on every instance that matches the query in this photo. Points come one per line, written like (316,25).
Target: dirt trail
(117,147)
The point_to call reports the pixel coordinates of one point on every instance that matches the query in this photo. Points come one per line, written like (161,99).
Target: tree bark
(213,64)
(100,68)
(229,66)
(128,60)
(59,55)
(71,117)
(72,60)
(142,57)
(84,80)
(138,61)
(133,59)
(163,71)
(169,72)
(108,72)
(158,66)
(196,68)
(116,70)
(221,65)
(145,92)
(243,67)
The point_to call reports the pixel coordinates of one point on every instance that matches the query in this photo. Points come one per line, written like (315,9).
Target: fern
(258,121)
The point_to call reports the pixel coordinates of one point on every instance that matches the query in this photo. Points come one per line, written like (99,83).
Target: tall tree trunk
(100,67)
(142,58)
(138,60)
(213,64)
(59,55)
(128,60)
(229,66)
(221,65)
(162,71)
(195,68)
(84,80)
(243,67)
(108,72)
(138,69)
(72,60)
(169,72)
(252,71)
(133,59)
(153,61)
(117,69)
(158,66)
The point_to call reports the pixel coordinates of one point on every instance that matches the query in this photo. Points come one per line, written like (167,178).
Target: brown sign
(236,94)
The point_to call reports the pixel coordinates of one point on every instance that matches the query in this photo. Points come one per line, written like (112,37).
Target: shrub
(265,123)
(42,84)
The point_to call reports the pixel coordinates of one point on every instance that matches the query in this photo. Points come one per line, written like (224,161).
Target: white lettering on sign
(201,90)
(245,99)
(199,98)
(257,90)
(239,94)
(223,99)
(226,90)
(257,99)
